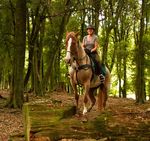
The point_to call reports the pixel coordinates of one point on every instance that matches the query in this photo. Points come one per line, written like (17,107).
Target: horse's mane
(71,35)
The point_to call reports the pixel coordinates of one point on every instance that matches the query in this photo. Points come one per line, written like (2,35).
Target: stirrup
(102,78)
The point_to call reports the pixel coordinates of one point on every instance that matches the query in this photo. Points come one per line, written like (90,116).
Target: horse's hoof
(78,111)
(101,110)
(89,109)
(85,111)
(84,119)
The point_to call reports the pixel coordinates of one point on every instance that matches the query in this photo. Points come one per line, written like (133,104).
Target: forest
(32,44)
(34,82)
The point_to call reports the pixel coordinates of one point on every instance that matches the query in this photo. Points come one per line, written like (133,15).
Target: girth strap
(85,66)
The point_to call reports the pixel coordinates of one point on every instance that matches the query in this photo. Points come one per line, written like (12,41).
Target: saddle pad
(103,69)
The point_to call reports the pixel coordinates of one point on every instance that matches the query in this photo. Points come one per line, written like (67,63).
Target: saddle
(97,68)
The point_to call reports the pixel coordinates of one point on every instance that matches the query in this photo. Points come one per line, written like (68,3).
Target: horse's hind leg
(105,88)
(92,98)
(102,98)
(104,91)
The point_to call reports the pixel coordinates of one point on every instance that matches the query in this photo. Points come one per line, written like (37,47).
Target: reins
(75,56)
(83,66)
(78,55)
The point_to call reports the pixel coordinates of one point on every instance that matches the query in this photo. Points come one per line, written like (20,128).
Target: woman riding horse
(81,73)
(90,45)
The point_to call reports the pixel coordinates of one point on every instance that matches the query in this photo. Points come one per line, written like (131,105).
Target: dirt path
(125,114)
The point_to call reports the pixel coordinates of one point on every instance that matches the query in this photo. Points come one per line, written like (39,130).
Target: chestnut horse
(81,72)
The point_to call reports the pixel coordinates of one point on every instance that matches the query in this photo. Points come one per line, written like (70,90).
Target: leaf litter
(124,112)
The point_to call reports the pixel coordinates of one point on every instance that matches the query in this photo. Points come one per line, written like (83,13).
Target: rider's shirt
(89,44)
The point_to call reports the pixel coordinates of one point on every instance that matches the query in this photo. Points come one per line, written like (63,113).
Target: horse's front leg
(76,95)
(74,87)
(86,89)
(73,84)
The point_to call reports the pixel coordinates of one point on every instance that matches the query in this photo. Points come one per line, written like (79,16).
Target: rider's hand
(93,50)
(87,51)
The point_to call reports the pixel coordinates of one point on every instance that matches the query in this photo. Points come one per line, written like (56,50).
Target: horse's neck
(80,50)
(81,55)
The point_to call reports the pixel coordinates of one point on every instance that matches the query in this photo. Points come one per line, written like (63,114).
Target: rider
(90,44)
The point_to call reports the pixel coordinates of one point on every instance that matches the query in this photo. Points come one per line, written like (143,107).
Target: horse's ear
(67,33)
(77,34)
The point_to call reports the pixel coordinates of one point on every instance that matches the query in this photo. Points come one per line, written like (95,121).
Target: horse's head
(71,46)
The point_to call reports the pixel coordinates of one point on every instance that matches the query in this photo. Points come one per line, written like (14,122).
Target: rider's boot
(102,78)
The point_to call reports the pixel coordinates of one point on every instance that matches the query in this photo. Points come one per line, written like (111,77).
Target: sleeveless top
(90,44)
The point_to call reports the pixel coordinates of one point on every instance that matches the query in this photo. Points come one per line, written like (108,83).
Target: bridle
(77,59)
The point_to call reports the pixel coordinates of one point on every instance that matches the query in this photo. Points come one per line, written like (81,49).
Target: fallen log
(55,120)
(41,117)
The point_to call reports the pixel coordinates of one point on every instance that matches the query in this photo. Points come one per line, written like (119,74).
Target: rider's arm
(96,45)
(83,45)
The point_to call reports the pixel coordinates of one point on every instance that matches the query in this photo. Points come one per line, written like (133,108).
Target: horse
(81,72)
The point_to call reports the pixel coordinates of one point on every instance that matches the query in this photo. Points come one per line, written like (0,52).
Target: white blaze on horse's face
(68,57)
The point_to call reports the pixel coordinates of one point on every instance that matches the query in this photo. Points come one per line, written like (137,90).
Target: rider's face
(90,31)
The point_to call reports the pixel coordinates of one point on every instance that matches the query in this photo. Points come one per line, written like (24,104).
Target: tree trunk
(96,5)
(140,86)
(16,98)
(30,48)
(124,93)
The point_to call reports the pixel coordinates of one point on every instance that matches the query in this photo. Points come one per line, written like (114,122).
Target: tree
(140,67)
(17,88)
(47,23)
